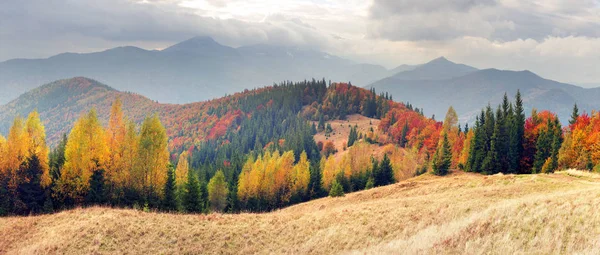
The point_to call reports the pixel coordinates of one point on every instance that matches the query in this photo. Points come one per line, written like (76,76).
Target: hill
(197,69)
(467,91)
(462,213)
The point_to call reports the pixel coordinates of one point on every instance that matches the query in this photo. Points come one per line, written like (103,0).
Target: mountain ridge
(469,92)
(199,68)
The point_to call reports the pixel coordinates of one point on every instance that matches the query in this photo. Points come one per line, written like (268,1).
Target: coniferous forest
(261,153)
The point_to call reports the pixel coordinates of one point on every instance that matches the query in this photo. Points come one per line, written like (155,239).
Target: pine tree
(169,198)
(542,148)
(353,136)
(30,191)
(442,158)
(516,133)
(315,189)
(574,115)
(192,199)
(386,173)
(403,139)
(336,189)
(97,193)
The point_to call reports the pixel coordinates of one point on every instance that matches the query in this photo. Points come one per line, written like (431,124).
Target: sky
(557,39)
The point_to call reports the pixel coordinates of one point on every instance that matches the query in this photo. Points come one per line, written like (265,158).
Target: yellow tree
(36,137)
(285,165)
(16,151)
(243,191)
(130,153)
(329,171)
(255,179)
(153,156)
(86,151)
(3,153)
(115,139)
(300,176)
(181,172)
(268,187)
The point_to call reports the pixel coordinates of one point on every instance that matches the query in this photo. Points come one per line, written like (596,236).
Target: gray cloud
(118,22)
(495,20)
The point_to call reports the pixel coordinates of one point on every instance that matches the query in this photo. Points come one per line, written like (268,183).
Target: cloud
(151,22)
(556,38)
(496,20)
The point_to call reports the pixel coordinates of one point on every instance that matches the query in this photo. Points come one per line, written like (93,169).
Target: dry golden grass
(459,214)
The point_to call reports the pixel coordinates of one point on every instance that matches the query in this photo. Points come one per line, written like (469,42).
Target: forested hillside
(256,150)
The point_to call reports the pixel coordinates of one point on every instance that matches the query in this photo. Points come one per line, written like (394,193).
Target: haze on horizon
(557,39)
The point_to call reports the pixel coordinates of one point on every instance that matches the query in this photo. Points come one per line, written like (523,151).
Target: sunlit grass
(458,214)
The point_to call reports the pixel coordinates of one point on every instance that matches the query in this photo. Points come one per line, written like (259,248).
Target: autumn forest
(258,150)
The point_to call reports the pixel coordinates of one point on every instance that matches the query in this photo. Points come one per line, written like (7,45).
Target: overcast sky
(558,39)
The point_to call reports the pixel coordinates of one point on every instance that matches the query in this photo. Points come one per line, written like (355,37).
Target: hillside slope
(462,213)
(62,102)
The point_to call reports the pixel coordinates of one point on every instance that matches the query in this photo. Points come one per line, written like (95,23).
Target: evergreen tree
(386,173)
(542,148)
(353,136)
(516,133)
(192,199)
(321,125)
(30,191)
(170,198)
(574,115)
(336,189)
(403,140)
(492,163)
(315,189)
(442,158)
(97,193)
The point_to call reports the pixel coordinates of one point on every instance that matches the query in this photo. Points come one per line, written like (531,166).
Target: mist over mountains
(194,70)
(200,69)
(441,83)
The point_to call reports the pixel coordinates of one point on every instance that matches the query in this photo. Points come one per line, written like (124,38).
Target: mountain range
(193,70)
(200,69)
(441,83)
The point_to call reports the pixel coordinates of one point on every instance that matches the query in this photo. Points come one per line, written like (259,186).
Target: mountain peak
(440,60)
(197,44)
(437,69)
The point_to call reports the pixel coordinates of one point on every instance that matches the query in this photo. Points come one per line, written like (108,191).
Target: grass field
(458,214)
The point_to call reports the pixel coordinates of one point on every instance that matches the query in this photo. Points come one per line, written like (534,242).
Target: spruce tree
(336,189)
(170,199)
(542,148)
(516,133)
(192,198)
(385,171)
(353,136)
(574,115)
(403,140)
(30,190)
(97,193)
(443,158)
